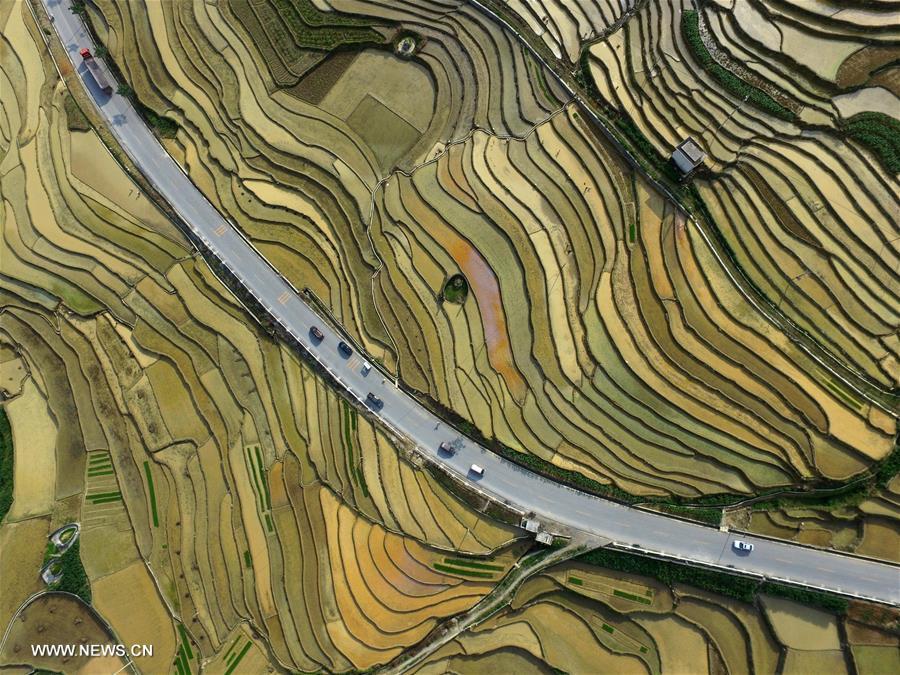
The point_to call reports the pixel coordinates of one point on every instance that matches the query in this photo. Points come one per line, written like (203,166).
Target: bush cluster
(880,133)
(690,29)
(6,464)
(738,588)
(74,579)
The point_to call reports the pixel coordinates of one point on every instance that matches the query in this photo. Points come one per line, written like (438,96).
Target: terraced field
(215,477)
(580,619)
(262,520)
(807,206)
(642,366)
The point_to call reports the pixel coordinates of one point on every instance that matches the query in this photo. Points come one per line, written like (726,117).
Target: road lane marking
(220,230)
(284,297)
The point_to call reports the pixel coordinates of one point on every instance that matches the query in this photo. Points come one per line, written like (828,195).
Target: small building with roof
(688,157)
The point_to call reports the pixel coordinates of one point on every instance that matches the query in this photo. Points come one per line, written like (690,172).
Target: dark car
(374,400)
(446,448)
(344,348)
(316,333)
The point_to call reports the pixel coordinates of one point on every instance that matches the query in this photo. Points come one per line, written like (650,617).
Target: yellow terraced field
(427,179)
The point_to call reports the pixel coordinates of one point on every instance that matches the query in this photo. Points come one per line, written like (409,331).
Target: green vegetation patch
(462,571)
(690,30)
(576,581)
(152,492)
(456,289)
(464,562)
(237,659)
(6,464)
(729,585)
(631,596)
(74,579)
(311,28)
(166,127)
(248,560)
(75,119)
(384,131)
(879,133)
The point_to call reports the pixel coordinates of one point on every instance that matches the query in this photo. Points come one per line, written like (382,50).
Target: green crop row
(690,29)
(462,572)
(463,562)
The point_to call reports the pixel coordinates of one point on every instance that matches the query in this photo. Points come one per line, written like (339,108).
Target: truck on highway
(95,71)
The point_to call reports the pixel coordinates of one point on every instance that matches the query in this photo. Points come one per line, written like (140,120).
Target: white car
(476,470)
(366,367)
(741,545)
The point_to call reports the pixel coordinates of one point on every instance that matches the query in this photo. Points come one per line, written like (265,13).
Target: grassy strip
(74,579)
(101,472)
(878,132)
(256,480)
(106,500)
(152,491)
(248,560)
(632,597)
(75,118)
(731,586)
(463,562)
(237,660)
(264,478)
(711,516)
(690,30)
(6,464)
(314,29)
(462,572)
(185,640)
(576,581)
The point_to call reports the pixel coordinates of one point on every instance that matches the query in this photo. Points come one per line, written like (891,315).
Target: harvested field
(69,621)
(34,431)
(556,624)
(621,299)
(197,448)
(283,528)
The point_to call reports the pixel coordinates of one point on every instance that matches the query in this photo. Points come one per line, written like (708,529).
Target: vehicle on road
(344,349)
(374,400)
(476,470)
(94,69)
(366,367)
(741,545)
(446,448)
(316,333)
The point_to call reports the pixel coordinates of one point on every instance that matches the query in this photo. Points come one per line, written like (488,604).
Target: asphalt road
(506,481)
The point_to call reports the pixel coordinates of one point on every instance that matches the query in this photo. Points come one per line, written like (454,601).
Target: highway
(503,480)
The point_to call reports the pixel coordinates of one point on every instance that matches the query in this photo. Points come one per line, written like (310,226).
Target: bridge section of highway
(627,527)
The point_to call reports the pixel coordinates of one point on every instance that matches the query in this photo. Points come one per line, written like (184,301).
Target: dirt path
(493,602)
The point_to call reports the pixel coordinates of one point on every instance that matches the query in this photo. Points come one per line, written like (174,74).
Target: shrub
(879,133)
(690,29)
(74,579)
(6,464)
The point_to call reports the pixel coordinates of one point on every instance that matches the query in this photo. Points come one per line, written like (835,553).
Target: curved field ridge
(599,333)
(809,213)
(218,482)
(575,618)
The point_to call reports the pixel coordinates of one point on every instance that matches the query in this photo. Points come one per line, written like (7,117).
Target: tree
(125,90)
